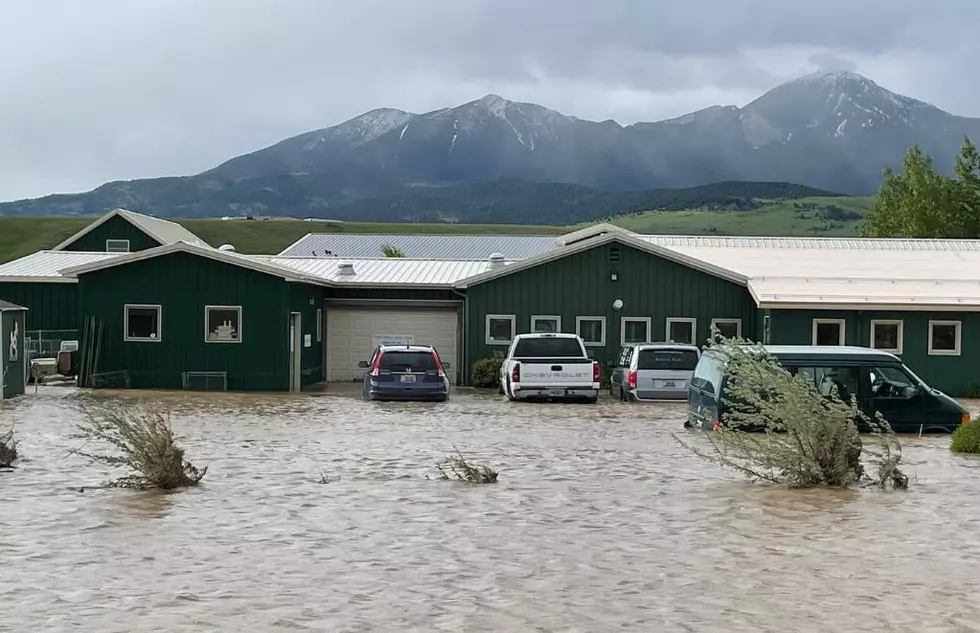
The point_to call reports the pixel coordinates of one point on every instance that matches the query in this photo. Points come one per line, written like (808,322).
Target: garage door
(353,333)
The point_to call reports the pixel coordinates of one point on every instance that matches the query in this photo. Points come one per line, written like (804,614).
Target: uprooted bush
(779,428)
(485,373)
(144,444)
(966,438)
(456,468)
(8,448)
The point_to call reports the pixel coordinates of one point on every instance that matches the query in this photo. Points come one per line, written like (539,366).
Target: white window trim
(959,339)
(600,319)
(843,330)
(901,334)
(694,328)
(142,306)
(500,317)
(108,250)
(207,330)
(737,322)
(622,328)
(546,317)
(319,325)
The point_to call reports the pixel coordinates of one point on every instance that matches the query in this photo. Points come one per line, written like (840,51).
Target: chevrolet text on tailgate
(549,366)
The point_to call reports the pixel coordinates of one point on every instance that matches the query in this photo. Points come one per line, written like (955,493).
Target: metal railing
(46,343)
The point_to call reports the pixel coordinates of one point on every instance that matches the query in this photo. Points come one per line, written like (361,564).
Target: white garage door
(353,333)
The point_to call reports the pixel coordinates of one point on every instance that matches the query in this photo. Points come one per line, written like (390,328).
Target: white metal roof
(868,294)
(459,247)
(163,231)
(813,243)
(392,271)
(44,266)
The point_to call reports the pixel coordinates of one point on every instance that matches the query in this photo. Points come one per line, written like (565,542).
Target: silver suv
(653,371)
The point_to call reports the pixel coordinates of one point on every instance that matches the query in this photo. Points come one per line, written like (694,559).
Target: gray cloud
(109,89)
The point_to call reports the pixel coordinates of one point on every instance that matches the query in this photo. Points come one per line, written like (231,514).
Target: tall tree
(922,203)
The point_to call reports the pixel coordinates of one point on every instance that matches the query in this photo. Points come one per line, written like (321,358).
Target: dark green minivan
(879,381)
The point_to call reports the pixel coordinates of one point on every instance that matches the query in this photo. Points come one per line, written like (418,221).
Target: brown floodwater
(600,521)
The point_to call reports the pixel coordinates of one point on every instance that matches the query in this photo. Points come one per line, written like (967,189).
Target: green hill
(828,216)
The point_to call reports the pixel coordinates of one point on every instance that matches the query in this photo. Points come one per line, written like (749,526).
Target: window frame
(546,317)
(501,317)
(622,329)
(578,329)
(841,339)
(958,350)
(737,322)
(207,329)
(142,306)
(694,329)
(900,339)
(112,239)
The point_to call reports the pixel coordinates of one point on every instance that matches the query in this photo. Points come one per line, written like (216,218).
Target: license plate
(408,378)
(668,384)
(556,392)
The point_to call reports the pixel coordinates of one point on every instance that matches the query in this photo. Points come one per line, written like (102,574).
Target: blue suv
(405,373)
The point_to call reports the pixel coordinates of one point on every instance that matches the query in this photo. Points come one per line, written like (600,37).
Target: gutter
(465,331)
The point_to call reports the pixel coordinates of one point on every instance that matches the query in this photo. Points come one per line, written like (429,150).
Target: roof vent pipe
(496,260)
(345,268)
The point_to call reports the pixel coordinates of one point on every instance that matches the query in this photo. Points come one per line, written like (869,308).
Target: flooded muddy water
(599,522)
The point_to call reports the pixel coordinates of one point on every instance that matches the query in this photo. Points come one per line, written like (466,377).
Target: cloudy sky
(119,89)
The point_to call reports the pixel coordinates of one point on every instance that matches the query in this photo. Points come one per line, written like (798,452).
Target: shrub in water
(966,439)
(8,449)
(485,373)
(145,445)
(779,428)
(456,468)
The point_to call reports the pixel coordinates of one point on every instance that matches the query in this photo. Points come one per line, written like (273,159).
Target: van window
(548,347)
(672,359)
(708,373)
(845,379)
(892,382)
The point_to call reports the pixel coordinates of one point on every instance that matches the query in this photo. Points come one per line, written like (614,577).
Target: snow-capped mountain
(832,130)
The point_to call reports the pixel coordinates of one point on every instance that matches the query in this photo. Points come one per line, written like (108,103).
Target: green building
(185,315)
(13,360)
(34,281)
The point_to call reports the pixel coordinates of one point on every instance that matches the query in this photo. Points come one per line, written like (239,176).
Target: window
(670,359)
(142,322)
(635,330)
(563,347)
(828,332)
(401,362)
(708,373)
(682,330)
(223,323)
(591,329)
(319,326)
(500,329)
(826,379)
(892,383)
(546,324)
(729,328)
(117,246)
(944,338)
(886,335)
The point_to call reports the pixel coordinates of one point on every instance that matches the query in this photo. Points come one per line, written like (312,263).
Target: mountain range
(502,161)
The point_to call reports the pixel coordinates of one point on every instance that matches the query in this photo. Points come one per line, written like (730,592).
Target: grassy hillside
(830,216)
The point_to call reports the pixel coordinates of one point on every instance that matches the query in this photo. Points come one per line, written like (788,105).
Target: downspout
(463,379)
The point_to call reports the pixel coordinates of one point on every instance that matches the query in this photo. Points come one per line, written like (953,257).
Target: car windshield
(893,375)
(548,348)
(674,359)
(408,361)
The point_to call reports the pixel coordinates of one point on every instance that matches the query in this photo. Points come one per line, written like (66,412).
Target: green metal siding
(952,374)
(307,300)
(393,294)
(114,229)
(184,284)
(580,285)
(13,369)
(52,306)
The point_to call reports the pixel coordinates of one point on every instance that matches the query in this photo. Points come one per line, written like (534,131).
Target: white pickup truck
(546,366)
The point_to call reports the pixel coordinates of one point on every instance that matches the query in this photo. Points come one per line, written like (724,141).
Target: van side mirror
(445,364)
(363,364)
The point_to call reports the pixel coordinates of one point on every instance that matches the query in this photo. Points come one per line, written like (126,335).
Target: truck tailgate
(556,372)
